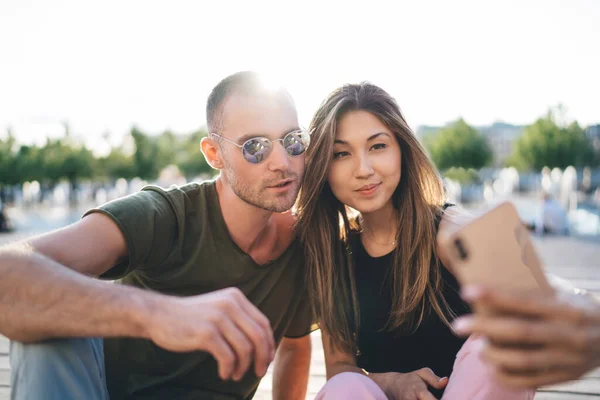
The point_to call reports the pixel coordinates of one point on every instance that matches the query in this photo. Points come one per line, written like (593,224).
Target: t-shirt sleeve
(303,322)
(148,222)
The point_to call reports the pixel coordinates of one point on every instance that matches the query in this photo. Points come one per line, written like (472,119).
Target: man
(212,276)
(5,224)
(551,217)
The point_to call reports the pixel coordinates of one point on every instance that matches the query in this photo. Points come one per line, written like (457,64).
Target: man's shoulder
(192,189)
(184,197)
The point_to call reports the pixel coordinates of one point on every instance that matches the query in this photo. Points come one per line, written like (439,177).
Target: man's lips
(281,183)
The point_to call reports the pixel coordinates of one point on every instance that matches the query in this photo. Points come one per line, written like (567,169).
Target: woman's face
(366,165)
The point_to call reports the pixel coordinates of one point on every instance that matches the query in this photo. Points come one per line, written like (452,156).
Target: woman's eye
(340,154)
(379,146)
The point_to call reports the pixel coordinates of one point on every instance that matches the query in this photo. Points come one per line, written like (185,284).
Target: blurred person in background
(551,217)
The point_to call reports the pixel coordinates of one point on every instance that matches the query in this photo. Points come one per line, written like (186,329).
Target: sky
(104,66)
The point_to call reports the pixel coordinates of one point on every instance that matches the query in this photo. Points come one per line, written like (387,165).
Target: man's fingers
(224,355)
(262,321)
(261,338)
(430,378)
(509,330)
(425,395)
(531,360)
(239,343)
(530,304)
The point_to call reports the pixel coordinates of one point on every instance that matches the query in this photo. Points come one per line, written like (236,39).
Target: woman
(382,295)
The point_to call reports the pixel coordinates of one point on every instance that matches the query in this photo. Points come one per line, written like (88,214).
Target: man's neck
(250,227)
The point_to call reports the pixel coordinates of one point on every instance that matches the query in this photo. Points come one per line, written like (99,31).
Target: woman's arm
(338,361)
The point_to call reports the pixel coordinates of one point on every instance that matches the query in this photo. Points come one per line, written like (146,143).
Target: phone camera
(460,248)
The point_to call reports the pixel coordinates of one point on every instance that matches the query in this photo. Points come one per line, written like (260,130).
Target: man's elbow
(20,335)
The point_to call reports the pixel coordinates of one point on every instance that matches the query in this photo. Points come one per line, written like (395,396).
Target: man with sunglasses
(211,273)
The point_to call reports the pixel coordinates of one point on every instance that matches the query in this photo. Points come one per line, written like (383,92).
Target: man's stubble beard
(256,197)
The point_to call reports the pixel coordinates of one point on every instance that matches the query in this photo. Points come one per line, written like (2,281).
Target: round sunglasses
(257,149)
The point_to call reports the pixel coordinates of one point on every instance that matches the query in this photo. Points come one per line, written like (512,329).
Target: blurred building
(501,137)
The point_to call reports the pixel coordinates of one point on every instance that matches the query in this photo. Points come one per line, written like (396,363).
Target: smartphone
(495,250)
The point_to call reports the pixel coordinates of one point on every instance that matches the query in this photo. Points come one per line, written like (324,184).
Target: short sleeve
(303,322)
(148,222)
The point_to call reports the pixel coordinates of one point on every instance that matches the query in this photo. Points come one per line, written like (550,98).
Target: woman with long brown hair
(370,209)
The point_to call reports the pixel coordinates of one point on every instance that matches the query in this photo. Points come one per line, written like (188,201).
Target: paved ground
(575,259)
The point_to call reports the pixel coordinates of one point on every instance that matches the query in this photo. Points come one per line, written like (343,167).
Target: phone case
(495,250)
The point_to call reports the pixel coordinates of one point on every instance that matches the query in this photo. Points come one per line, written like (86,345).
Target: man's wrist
(144,311)
(381,379)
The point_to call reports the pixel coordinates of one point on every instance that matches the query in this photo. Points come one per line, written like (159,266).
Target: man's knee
(59,368)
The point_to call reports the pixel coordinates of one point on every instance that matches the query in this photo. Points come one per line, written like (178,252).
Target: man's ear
(211,152)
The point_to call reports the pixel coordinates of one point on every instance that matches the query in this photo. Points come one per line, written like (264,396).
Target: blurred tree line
(68,159)
(545,143)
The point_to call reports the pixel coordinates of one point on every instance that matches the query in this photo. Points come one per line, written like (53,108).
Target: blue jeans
(58,369)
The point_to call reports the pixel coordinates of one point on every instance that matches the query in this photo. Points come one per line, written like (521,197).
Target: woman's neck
(381,226)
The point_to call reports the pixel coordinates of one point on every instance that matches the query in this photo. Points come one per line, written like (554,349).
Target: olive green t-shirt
(179,245)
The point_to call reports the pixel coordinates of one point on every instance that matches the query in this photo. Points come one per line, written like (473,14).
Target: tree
(459,145)
(28,164)
(7,160)
(167,147)
(7,164)
(145,156)
(117,165)
(66,158)
(190,159)
(546,144)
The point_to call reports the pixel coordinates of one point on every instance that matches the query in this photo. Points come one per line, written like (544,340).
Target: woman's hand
(410,386)
(535,339)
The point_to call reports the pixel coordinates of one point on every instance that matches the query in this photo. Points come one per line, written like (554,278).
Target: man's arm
(292,364)
(45,293)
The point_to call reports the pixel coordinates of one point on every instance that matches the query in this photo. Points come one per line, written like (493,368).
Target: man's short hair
(244,83)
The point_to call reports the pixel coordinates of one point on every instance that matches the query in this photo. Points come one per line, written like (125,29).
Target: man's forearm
(292,366)
(40,299)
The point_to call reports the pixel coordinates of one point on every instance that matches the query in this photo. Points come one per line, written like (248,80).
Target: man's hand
(223,323)
(535,339)
(411,386)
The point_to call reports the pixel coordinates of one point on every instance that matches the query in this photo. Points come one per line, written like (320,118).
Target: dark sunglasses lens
(256,150)
(295,143)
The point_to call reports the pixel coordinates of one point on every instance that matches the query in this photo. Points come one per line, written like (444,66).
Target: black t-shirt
(432,345)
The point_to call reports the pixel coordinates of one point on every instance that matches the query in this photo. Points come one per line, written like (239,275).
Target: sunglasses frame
(242,146)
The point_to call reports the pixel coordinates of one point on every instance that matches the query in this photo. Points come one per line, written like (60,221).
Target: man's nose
(279,159)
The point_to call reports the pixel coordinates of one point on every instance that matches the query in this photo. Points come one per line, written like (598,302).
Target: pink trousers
(471,379)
